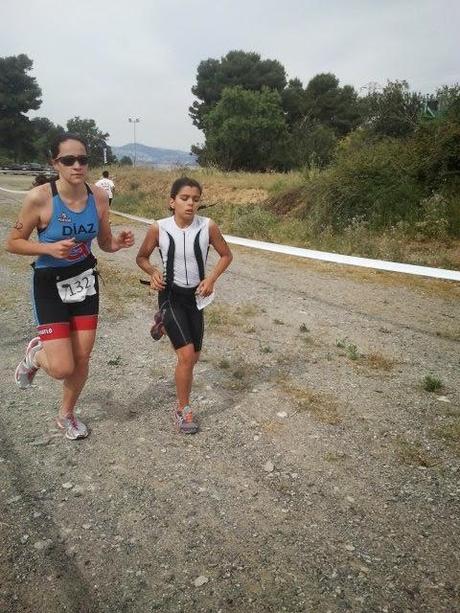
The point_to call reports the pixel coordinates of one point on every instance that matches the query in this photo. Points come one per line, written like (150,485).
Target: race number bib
(77,288)
(202,302)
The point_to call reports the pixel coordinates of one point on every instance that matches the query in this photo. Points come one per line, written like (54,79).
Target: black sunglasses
(69,160)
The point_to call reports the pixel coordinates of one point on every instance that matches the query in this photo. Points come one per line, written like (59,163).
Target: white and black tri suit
(183,252)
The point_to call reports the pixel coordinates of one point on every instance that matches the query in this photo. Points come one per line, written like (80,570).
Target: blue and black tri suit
(55,317)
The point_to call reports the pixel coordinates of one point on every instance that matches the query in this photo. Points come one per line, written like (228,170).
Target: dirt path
(325,478)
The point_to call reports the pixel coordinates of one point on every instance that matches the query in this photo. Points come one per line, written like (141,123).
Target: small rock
(269,466)
(350,499)
(350,548)
(282,414)
(78,490)
(13,500)
(443,399)
(86,526)
(42,545)
(201,580)
(67,485)
(41,442)
(24,538)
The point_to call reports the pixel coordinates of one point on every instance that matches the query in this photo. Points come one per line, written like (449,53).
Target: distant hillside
(155,156)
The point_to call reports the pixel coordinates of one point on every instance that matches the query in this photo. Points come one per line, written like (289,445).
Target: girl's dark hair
(184,182)
(62,138)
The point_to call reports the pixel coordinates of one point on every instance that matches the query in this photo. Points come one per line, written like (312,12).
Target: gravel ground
(324,478)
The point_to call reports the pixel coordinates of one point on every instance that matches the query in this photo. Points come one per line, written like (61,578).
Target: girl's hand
(205,288)
(156,281)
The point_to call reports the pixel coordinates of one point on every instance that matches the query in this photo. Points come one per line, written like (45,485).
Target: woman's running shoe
(26,369)
(157,329)
(73,427)
(184,421)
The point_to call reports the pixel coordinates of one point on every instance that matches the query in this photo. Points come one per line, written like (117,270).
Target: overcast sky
(109,60)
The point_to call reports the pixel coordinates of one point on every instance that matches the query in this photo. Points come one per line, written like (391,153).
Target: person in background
(107,185)
(183,240)
(67,215)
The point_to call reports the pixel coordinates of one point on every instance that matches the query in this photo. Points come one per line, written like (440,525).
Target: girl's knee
(186,357)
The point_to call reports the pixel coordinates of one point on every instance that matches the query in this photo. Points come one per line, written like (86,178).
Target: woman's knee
(61,370)
(64,369)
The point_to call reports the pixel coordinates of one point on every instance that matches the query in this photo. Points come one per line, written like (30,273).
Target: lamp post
(134,120)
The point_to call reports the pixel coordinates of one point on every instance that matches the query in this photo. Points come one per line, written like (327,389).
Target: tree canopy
(246,130)
(245,69)
(19,93)
(314,117)
(95,138)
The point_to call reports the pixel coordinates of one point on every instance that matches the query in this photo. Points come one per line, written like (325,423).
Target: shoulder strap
(170,261)
(54,190)
(198,255)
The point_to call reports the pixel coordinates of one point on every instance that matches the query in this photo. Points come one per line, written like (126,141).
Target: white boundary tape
(12,191)
(336,258)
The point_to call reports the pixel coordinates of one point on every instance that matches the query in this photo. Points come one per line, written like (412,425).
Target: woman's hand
(125,239)
(61,249)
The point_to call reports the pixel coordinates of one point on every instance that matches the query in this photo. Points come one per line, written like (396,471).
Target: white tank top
(184,250)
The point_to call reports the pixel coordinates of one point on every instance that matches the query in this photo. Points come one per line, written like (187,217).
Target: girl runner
(183,241)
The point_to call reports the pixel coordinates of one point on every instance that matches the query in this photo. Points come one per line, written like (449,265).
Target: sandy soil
(325,477)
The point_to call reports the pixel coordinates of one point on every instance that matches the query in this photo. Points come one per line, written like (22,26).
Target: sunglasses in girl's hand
(69,160)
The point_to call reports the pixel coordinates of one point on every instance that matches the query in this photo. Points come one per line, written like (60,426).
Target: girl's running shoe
(184,421)
(157,329)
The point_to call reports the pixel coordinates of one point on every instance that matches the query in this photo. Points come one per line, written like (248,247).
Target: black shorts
(183,321)
(55,318)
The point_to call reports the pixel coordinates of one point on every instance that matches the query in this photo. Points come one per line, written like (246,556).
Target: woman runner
(67,214)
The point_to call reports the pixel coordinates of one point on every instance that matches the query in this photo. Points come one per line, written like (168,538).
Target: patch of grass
(450,434)
(379,362)
(278,322)
(250,329)
(116,361)
(248,309)
(336,456)
(272,427)
(222,315)
(266,349)
(119,288)
(351,349)
(239,374)
(413,453)
(431,383)
(453,335)
(303,328)
(321,406)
